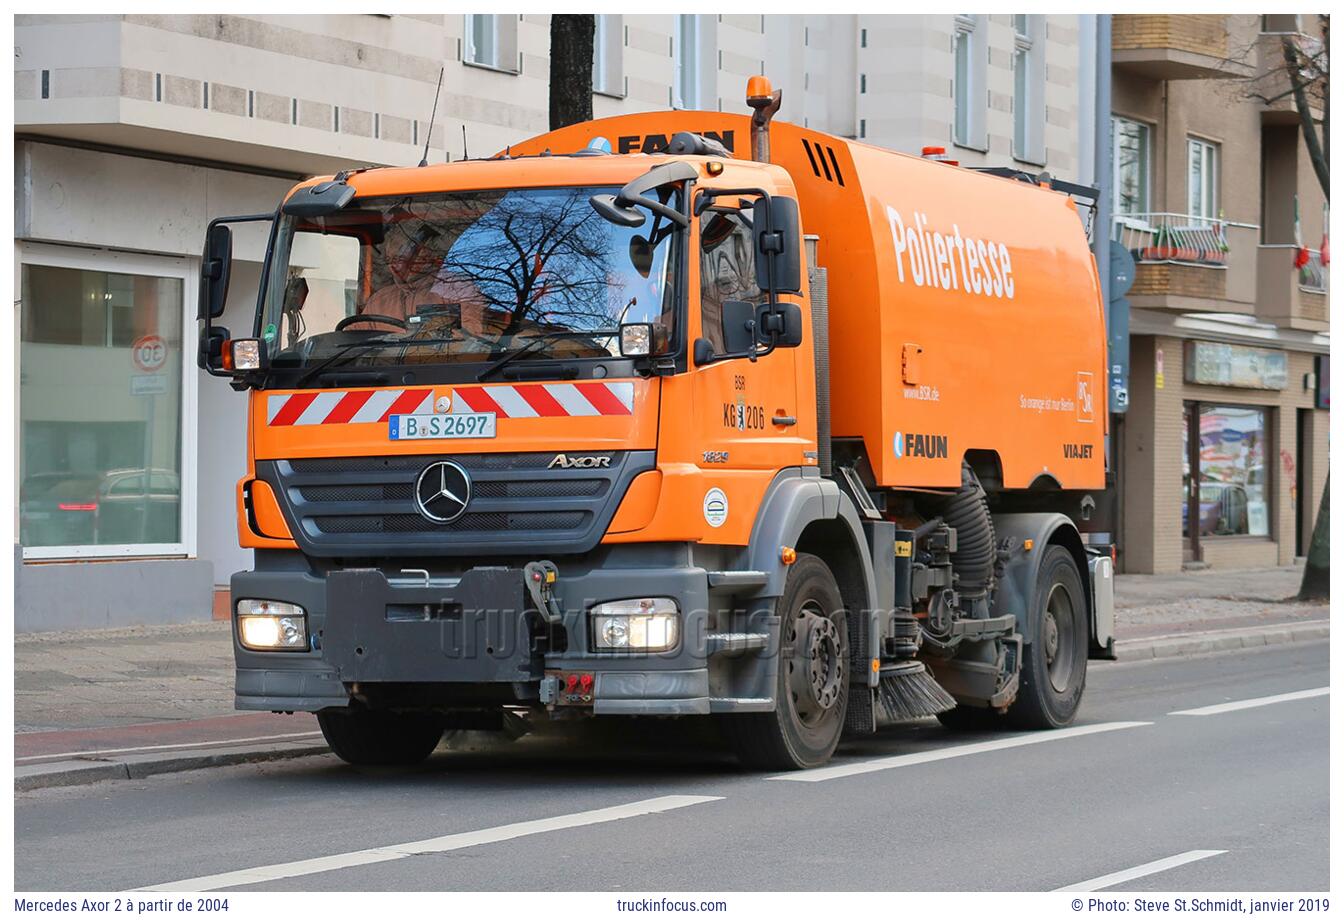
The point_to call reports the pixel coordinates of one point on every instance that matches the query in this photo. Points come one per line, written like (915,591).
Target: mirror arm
(215,269)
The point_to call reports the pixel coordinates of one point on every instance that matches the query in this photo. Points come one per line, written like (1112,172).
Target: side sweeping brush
(908,691)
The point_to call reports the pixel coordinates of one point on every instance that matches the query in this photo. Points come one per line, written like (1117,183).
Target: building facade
(132,132)
(1222,454)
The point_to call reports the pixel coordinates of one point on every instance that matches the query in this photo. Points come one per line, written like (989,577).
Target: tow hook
(540,578)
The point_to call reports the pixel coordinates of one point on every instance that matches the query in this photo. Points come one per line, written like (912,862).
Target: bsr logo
(657,143)
(930,446)
(949,260)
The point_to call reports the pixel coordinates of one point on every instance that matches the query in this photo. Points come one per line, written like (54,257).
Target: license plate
(441,425)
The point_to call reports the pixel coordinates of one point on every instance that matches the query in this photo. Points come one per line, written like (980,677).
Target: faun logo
(579,463)
(657,143)
(1077,451)
(928,446)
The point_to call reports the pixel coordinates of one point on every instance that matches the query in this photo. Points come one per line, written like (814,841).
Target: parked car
(1222,509)
(128,512)
(58,509)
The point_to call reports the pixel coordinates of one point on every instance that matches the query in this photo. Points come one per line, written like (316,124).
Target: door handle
(784,420)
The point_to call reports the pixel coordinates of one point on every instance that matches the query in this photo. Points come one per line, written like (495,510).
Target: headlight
(646,624)
(272,626)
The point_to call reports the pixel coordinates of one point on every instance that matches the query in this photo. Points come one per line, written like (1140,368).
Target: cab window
(727,269)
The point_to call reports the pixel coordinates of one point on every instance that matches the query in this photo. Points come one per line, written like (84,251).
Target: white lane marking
(165,747)
(1150,868)
(433,845)
(1251,704)
(961,750)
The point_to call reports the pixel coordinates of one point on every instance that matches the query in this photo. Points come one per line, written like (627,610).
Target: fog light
(271,626)
(647,624)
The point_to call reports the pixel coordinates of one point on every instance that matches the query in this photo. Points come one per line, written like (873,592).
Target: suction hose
(968,512)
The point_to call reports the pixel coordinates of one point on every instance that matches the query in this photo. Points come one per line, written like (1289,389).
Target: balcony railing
(1314,276)
(1184,239)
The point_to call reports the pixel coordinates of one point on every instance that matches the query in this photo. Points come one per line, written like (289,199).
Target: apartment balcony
(1290,296)
(1190,264)
(1175,47)
(1271,86)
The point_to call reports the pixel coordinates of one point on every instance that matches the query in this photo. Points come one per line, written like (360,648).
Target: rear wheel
(380,738)
(1054,662)
(812,684)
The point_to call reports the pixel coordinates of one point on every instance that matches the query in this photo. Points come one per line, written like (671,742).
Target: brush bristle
(912,694)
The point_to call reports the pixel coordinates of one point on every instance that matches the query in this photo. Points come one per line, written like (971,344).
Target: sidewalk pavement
(126,703)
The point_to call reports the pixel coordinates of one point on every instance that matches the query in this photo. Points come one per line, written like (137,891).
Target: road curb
(77,772)
(1220,640)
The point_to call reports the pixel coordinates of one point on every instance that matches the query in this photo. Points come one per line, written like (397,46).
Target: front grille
(414,523)
(365,506)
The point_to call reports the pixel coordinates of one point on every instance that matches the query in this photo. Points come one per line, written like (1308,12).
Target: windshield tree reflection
(464,277)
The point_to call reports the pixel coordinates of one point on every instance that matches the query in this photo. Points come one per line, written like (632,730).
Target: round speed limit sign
(149,353)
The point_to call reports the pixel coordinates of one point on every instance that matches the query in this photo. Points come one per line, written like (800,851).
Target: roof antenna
(464,140)
(429,131)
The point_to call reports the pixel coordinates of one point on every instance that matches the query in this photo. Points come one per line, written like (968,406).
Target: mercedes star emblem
(442,491)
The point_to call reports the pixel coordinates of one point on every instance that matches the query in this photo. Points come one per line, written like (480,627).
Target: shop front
(114,525)
(1223,453)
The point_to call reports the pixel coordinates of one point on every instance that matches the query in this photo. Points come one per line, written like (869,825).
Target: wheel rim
(816,664)
(1059,635)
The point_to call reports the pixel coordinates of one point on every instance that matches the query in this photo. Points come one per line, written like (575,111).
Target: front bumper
(474,631)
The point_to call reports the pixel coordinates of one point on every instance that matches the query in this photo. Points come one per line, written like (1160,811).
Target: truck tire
(378,738)
(1054,662)
(812,684)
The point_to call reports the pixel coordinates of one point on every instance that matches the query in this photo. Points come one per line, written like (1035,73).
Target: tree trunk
(571,69)
(1316,575)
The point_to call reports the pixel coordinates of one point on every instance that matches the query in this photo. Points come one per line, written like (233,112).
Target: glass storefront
(100,396)
(1229,464)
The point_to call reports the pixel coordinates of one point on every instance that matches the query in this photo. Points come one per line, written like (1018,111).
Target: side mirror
(778,245)
(216,261)
(739,325)
(210,354)
(781,324)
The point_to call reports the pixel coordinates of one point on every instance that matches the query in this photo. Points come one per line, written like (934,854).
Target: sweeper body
(670,414)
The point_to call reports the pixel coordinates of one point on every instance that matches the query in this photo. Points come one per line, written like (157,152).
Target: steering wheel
(370,318)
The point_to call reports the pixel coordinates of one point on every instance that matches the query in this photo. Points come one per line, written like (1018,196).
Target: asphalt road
(1236,799)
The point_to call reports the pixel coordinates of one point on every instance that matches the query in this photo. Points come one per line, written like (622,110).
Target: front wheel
(1054,662)
(812,683)
(379,738)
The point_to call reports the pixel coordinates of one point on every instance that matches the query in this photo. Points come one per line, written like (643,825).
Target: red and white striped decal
(523,400)
(547,400)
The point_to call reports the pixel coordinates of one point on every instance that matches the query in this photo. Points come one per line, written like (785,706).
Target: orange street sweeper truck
(671,414)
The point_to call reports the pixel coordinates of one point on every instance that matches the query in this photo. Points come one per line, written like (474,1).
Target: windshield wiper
(536,342)
(345,350)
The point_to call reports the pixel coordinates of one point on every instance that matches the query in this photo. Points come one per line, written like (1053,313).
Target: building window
(1028,89)
(608,48)
(1281,22)
(686,59)
(100,396)
(970,56)
(1230,481)
(1131,143)
(1202,178)
(491,40)
(482,39)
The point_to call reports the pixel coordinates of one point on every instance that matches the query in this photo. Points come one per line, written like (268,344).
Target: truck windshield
(463,277)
